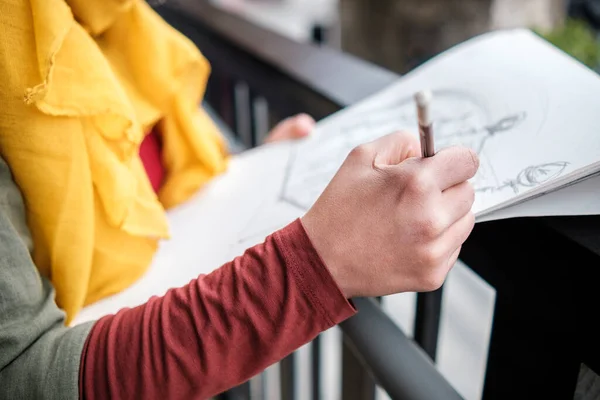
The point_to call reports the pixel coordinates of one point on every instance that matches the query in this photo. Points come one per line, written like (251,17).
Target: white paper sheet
(582,198)
(529,110)
(531,113)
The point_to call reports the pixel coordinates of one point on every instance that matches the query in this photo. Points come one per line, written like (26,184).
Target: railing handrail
(322,69)
(399,366)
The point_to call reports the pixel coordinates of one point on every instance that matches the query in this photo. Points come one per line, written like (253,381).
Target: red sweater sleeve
(220,329)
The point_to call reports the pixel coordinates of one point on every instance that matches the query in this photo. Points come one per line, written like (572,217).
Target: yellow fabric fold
(81,83)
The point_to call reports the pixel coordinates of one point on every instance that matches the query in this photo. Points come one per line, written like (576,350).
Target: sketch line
(529,177)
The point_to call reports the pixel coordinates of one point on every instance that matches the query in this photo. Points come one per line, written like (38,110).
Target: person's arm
(388,222)
(220,329)
(39,356)
(194,342)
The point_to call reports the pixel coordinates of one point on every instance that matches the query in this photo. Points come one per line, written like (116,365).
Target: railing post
(427,321)
(260,112)
(241,392)
(220,95)
(316,368)
(243,113)
(357,383)
(287,371)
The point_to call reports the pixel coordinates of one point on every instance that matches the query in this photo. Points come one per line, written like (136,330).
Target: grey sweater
(39,355)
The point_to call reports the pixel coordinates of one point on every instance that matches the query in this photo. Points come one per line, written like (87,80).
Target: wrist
(310,274)
(324,250)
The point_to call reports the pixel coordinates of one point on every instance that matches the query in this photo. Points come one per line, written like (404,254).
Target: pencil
(423,100)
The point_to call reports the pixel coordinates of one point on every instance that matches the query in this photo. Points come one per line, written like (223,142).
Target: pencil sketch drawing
(529,177)
(460,118)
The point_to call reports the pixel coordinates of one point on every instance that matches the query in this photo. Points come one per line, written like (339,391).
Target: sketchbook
(530,111)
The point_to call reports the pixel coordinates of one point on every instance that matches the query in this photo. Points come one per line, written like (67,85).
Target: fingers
(302,126)
(453,239)
(460,199)
(295,127)
(453,165)
(459,232)
(453,258)
(392,149)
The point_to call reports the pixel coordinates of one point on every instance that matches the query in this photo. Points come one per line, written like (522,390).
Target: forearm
(220,329)
(196,341)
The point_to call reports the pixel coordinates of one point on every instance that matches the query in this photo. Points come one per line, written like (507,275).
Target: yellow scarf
(81,83)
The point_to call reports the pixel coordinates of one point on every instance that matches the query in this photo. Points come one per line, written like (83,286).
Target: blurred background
(400,35)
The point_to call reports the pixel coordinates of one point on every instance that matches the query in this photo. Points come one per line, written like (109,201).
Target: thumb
(394,148)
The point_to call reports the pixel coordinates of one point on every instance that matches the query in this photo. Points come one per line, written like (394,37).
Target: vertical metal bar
(254,137)
(210,94)
(272,382)
(260,109)
(318,32)
(220,96)
(240,392)
(316,368)
(427,321)
(257,387)
(287,377)
(357,383)
(226,108)
(243,113)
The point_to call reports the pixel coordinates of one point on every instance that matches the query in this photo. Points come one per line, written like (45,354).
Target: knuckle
(431,226)
(432,266)
(433,280)
(431,258)
(431,271)
(359,152)
(407,137)
(419,183)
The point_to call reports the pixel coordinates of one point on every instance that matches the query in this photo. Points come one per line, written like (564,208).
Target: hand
(390,221)
(295,127)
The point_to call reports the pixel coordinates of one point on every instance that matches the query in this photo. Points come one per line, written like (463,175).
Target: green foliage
(577,39)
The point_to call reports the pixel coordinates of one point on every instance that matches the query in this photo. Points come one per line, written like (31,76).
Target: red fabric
(219,330)
(151,155)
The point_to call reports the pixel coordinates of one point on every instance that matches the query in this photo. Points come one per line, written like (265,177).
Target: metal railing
(539,339)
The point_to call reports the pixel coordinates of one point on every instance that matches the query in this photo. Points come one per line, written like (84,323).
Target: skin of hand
(391,221)
(295,127)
